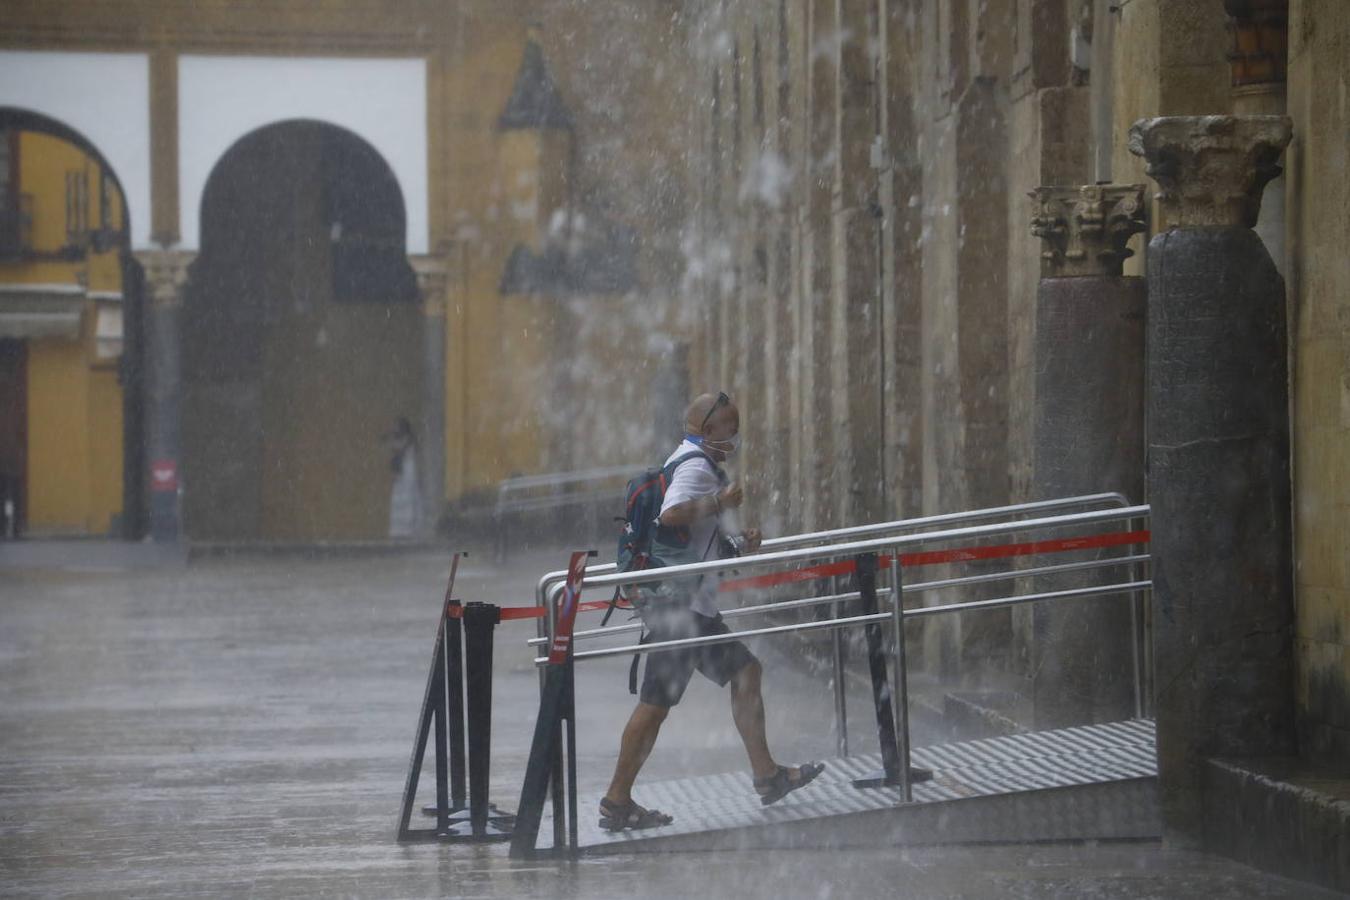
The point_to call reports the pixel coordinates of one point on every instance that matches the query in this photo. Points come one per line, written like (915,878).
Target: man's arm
(690,511)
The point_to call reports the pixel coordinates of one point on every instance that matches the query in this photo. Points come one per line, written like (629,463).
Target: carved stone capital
(1211,169)
(1086,228)
(166,273)
(433,276)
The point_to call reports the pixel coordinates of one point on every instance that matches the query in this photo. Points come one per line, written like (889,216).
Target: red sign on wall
(164,475)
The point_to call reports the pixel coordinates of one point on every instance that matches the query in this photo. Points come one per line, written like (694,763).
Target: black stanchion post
(889,776)
(479,621)
(570,713)
(556,795)
(876,665)
(442,761)
(454,692)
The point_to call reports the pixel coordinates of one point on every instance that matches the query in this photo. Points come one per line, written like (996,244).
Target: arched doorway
(71,395)
(301,340)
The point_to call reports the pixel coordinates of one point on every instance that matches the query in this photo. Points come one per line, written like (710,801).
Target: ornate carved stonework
(1086,228)
(1211,169)
(166,272)
(433,275)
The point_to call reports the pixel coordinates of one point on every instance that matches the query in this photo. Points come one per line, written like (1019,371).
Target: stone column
(1218,456)
(166,275)
(1087,431)
(432,280)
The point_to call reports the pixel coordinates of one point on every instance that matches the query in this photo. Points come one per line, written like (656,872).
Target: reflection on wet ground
(243,727)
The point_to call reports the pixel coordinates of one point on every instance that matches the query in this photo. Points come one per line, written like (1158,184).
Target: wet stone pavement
(242,727)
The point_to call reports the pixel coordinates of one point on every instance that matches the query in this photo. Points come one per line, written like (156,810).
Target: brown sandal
(775,787)
(621,816)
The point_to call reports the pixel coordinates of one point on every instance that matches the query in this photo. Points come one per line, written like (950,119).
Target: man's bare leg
(639,736)
(747,709)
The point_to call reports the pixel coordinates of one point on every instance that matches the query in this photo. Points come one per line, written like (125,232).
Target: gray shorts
(668,671)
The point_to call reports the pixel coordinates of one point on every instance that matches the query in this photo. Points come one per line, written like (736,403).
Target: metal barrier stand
(442,706)
(462,659)
(545,773)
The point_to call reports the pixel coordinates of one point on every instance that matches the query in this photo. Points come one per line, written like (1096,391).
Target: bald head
(716,419)
(701,409)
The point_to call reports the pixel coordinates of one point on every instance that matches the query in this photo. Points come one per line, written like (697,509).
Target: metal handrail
(546,625)
(897,614)
(1128,587)
(919,588)
(851,548)
(878,528)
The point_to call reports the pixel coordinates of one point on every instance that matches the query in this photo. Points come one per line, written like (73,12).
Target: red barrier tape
(534,612)
(844,567)
(934,557)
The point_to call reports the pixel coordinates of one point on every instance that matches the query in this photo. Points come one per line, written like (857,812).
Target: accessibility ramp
(1090,782)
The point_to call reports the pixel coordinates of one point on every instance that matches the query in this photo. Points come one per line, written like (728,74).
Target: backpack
(642,509)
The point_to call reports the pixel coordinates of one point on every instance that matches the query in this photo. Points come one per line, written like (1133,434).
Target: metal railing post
(900,696)
(840,701)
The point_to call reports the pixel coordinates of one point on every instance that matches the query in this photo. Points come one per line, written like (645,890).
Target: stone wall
(1319,290)
(878,237)
(909,331)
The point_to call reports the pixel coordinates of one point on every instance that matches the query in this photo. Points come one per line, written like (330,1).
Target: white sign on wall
(224,98)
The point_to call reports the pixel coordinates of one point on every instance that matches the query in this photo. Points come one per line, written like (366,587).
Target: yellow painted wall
(74,403)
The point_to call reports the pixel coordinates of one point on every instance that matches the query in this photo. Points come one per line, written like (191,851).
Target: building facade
(868,173)
(61,293)
(346,214)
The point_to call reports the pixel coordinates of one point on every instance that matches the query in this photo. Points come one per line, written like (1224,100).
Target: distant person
(405,497)
(696,508)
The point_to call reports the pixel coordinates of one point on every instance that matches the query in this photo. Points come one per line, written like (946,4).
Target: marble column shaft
(1088,433)
(166,275)
(1218,451)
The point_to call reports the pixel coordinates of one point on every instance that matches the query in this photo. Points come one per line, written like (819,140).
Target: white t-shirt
(695,478)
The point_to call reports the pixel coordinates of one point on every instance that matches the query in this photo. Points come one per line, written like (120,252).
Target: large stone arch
(98,101)
(302,340)
(382,101)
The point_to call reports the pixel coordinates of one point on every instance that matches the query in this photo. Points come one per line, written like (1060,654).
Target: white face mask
(727,447)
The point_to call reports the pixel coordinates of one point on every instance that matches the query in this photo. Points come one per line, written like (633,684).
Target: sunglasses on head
(721,401)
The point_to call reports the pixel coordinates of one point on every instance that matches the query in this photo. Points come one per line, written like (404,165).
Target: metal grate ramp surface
(1089,782)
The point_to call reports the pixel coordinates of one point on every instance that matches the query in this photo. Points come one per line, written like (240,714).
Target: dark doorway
(302,340)
(13,436)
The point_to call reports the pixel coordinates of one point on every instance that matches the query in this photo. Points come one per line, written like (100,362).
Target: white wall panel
(223,98)
(103,96)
